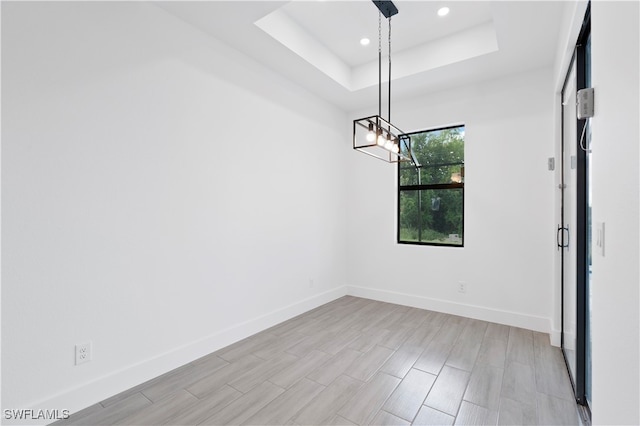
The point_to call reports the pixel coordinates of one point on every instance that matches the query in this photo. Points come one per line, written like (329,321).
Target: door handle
(560,240)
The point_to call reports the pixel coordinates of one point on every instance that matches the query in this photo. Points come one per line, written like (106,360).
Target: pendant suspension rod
(380,64)
(389,110)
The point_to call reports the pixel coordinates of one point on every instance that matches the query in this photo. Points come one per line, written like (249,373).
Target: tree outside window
(431,192)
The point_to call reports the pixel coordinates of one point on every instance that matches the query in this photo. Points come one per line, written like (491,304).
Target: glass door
(567,241)
(574,230)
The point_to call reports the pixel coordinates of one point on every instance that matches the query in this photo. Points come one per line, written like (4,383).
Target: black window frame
(437,187)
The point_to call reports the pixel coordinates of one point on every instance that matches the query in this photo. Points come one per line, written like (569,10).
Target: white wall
(507,261)
(615,135)
(137,215)
(151,199)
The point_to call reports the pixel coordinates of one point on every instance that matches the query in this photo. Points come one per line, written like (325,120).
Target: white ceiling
(339,26)
(316,43)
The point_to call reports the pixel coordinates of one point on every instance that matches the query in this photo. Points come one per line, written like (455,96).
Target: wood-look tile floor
(359,361)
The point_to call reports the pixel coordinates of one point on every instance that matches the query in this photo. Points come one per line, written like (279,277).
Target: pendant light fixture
(375,135)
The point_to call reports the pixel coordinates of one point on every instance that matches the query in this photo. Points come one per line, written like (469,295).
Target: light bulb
(395,148)
(381,140)
(371,136)
(388,145)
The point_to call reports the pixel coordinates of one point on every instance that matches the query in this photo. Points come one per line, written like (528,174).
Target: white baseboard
(555,337)
(104,387)
(514,319)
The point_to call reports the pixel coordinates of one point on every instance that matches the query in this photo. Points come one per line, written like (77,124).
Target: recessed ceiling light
(443,11)
(365,41)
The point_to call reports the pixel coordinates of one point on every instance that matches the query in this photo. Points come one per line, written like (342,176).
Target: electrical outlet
(462,287)
(83,353)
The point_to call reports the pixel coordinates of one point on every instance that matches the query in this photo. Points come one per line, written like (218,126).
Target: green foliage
(432,214)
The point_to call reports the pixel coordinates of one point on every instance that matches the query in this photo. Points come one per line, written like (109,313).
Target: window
(431,192)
